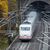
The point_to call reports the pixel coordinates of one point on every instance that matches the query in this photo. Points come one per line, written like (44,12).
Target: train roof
(32,15)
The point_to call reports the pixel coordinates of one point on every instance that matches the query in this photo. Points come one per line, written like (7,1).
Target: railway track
(21,46)
(18,45)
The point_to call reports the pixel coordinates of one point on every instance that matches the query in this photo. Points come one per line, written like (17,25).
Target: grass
(3,42)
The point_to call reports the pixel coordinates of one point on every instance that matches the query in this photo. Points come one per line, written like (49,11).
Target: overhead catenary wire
(8,20)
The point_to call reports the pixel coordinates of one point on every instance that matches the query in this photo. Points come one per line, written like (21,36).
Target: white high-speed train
(27,28)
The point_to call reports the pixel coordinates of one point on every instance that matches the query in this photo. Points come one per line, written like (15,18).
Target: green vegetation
(3,42)
(12,5)
(3,39)
(14,1)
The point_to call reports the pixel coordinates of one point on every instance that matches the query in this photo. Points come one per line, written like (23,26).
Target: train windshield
(25,28)
(26,23)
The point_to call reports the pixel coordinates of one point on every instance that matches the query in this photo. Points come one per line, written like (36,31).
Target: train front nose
(25,35)
(25,32)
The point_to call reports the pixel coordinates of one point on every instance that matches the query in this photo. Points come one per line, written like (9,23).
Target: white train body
(27,28)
